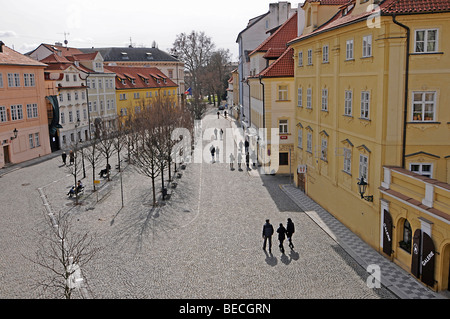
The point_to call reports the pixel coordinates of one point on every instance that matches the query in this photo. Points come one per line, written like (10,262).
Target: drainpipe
(405,111)
(263,105)
(249,106)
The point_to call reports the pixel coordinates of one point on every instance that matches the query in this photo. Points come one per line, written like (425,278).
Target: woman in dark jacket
(290,230)
(281,236)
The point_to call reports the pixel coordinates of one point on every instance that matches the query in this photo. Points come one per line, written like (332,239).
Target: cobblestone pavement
(205,242)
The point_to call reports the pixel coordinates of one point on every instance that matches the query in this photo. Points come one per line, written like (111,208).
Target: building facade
(23,108)
(373,80)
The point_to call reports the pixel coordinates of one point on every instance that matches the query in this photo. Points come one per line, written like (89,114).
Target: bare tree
(92,155)
(76,166)
(106,146)
(63,254)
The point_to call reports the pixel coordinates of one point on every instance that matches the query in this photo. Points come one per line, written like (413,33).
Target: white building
(258,29)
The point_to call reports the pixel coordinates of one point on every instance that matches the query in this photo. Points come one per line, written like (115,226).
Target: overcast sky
(24,24)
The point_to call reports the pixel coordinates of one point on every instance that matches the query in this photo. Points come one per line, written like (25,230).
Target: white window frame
(309,98)
(283,126)
(37,142)
(423,103)
(325,100)
(309,142)
(63,119)
(325,54)
(367,46)
(426,41)
(3,114)
(365,105)
(421,171)
(300,138)
(300,58)
(348,104)
(347,160)
(324,149)
(310,57)
(349,52)
(364,167)
(282,92)
(300,97)
(16,112)
(32,111)
(1,80)
(31,140)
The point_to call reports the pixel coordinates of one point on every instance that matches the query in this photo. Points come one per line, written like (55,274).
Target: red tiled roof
(138,73)
(283,67)
(281,37)
(10,57)
(64,50)
(417,6)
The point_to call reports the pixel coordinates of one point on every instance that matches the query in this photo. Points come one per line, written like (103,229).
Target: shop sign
(387,233)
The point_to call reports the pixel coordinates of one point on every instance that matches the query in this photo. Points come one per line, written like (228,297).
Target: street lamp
(362,185)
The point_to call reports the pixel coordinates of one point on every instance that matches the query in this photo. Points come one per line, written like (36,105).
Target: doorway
(301,181)
(6,157)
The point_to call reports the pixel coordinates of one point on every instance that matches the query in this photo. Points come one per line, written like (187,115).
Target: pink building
(23,108)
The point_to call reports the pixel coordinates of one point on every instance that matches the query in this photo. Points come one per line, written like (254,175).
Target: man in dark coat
(281,236)
(267,234)
(290,230)
(64,157)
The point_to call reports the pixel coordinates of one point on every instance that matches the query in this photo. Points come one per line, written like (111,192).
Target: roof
(132,54)
(251,23)
(280,38)
(327,2)
(386,7)
(9,56)
(144,77)
(283,67)
(417,6)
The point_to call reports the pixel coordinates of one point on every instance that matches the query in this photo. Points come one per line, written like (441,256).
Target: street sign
(301,169)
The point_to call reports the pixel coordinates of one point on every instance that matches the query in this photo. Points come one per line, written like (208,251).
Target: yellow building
(139,87)
(371,93)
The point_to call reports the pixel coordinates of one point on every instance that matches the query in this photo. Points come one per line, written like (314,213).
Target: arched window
(407,236)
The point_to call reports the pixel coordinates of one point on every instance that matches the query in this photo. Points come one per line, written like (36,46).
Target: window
(95,106)
(76,96)
(283,125)
(300,97)
(67,78)
(3,117)
(16,112)
(282,93)
(17,79)
(349,50)
(325,51)
(309,98)
(363,166)
(365,104)
(424,169)
(32,111)
(31,140)
(325,100)
(347,160)
(300,58)
(28,80)
(424,104)
(13,80)
(309,142)
(36,140)
(310,57)
(407,236)
(78,115)
(84,114)
(69,97)
(122,96)
(70,117)
(348,103)
(136,95)
(63,119)
(324,149)
(123,111)
(426,41)
(1,80)
(367,46)
(300,138)
(284,158)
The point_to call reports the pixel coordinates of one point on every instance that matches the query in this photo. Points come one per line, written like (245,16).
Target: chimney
(1,46)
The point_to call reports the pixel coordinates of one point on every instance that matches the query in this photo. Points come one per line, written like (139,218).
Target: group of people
(282,231)
(76,189)
(71,157)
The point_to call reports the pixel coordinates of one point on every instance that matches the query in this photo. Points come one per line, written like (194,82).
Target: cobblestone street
(205,242)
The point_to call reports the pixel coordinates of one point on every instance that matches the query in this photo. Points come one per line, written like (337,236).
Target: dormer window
(125,56)
(149,56)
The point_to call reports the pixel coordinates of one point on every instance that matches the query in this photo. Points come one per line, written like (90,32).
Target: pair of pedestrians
(282,234)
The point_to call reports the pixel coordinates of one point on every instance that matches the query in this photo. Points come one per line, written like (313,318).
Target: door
(428,260)
(301,181)
(387,233)
(416,249)
(6,157)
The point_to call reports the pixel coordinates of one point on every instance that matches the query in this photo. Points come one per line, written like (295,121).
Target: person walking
(290,230)
(217,154)
(231,161)
(247,160)
(281,236)
(72,157)
(218,114)
(221,134)
(213,151)
(239,160)
(64,157)
(267,233)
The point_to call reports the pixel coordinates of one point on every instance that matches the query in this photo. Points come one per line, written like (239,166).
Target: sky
(24,24)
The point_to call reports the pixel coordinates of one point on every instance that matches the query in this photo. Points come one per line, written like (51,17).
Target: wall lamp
(15,134)
(362,185)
